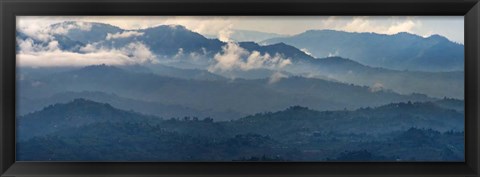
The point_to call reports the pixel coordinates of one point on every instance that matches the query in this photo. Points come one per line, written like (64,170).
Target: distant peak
(410,104)
(81,100)
(101,67)
(404,33)
(332,31)
(338,59)
(76,23)
(297,108)
(170,26)
(437,37)
(335,32)
(407,34)
(68,22)
(175,26)
(248,43)
(280,44)
(322,30)
(86,102)
(83,25)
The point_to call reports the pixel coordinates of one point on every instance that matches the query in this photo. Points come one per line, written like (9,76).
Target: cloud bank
(235,57)
(38,55)
(125,34)
(44,31)
(449,26)
(277,76)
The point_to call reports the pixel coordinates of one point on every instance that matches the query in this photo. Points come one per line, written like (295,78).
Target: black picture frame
(9,9)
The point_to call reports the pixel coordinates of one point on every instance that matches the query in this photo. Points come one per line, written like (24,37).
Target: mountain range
(402,51)
(236,97)
(167,93)
(239,35)
(109,132)
(428,63)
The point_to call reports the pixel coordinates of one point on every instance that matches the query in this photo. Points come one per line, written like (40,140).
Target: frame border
(9,9)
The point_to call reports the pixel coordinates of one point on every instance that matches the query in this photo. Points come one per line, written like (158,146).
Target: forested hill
(383,119)
(76,113)
(95,131)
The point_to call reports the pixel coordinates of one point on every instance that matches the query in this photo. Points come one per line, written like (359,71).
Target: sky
(451,27)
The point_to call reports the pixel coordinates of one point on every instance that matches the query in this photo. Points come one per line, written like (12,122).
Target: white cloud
(198,56)
(89,48)
(231,57)
(224,34)
(367,24)
(33,55)
(359,24)
(28,46)
(59,58)
(405,26)
(139,52)
(204,24)
(277,76)
(333,54)
(64,28)
(376,87)
(220,26)
(36,32)
(304,50)
(235,57)
(125,34)
(179,54)
(45,31)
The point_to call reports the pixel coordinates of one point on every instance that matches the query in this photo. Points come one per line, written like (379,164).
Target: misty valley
(97,92)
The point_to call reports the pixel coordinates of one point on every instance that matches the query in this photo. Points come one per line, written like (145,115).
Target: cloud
(304,50)
(219,26)
(37,32)
(231,57)
(125,34)
(383,26)
(277,76)
(36,55)
(64,28)
(89,48)
(256,60)
(139,52)
(59,58)
(206,25)
(45,32)
(359,24)
(405,26)
(235,57)
(224,34)
(179,54)
(29,46)
(376,87)
(333,54)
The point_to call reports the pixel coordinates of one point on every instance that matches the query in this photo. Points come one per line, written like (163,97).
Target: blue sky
(451,27)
